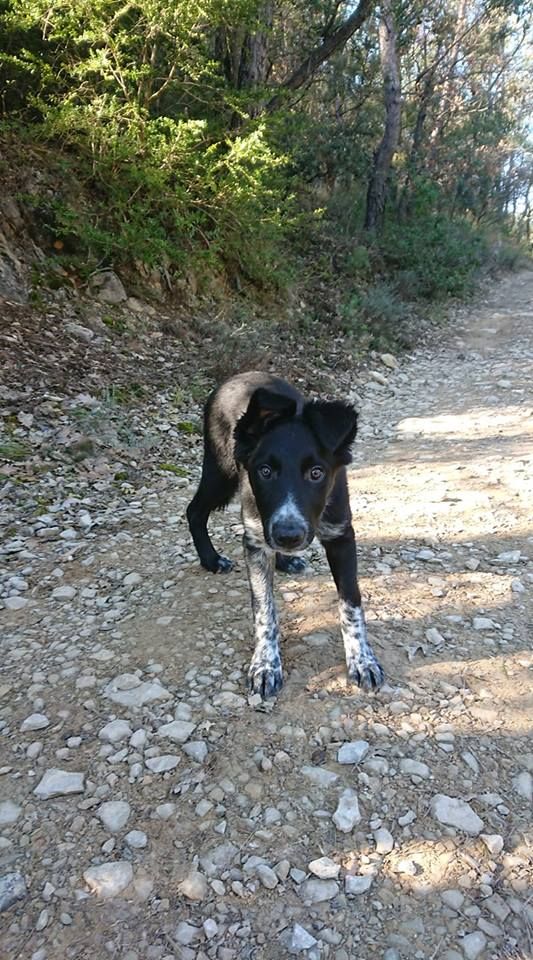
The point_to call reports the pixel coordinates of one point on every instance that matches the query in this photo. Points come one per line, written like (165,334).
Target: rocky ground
(149,810)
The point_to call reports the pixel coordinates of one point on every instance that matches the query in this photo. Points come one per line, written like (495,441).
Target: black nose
(288,534)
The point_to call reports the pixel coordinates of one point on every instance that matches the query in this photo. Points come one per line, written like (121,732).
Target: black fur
(288,455)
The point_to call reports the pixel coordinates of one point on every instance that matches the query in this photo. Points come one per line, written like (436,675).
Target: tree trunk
(244,54)
(377,187)
(415,153)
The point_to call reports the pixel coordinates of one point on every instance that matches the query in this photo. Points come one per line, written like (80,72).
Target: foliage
(173,140)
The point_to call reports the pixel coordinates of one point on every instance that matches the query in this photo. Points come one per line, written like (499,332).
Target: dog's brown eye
(316,474)
(265,471)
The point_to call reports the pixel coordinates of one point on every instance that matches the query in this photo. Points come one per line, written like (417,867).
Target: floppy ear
(264,409)
(334,424)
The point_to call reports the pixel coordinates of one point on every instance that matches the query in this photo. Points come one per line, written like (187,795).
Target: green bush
(433,258)
(375,317)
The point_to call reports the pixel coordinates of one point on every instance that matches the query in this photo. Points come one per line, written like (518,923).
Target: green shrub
(433,258)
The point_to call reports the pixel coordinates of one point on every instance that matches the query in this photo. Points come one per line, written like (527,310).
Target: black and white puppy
(289,457)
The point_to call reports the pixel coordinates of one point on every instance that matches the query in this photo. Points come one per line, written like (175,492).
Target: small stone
(353,752)
(178,730)
(162,764)
(453,898)
(389,361)
(9,812)
(267,876)
(186,934)
(318,891)
(355,886)
(473,944)
(407,818)
(320,776)
(114,814)
(59,783)
(384,841)
(483,623)
(413,768)
(347,814)
(325,868)
(165,810)
(148,692)
(64,593)
(132,579)
(194,886)
(15,603)
(456,813)
(42,921)
(299,940)
(493,842)
(523,784)
(136,839)
(109,879)
(12,888)
(508,556)
(115,731)
(196,750)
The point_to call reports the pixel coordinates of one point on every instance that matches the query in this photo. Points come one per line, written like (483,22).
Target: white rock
(210,928)
(114,814)
(523,784)
(355,886)
(456,813)
(384,840)
(453,898)
(414,768)
(178,730)
(9,812)
(318,891)
(166,810)
(194,886)
(138,739)
(325,868)
(148,692)
(12,888)
(115,731)
(483,623)
(107,287)
(186,933)
(353,752)
(473,944)
(166,761)
(299,940)
(347,814)
(132,579)
(109,879)
(493,842)
(196,750)
(15,603)
(320,776)
(508,556)
(59,783)
(406,866)
(63,593)
(433,636)
(266,875)
(136,839)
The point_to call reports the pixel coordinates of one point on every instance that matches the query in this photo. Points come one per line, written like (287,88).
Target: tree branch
(320,54)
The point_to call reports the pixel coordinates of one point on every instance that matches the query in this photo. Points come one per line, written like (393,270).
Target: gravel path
(150,811)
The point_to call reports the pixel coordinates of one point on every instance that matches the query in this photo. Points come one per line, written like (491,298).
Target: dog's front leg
(363,666)
(265,674)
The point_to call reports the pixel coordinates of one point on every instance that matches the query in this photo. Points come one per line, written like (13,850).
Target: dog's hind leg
(363,666)
(215,491)
(265,675)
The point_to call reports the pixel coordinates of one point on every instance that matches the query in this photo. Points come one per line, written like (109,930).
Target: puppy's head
(291,461)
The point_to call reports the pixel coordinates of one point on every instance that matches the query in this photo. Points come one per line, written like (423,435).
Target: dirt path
(212,822)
